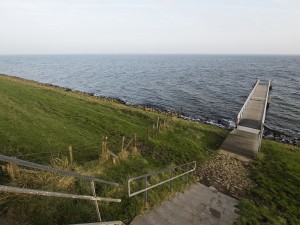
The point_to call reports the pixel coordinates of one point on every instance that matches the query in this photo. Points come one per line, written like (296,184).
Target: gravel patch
(228,175)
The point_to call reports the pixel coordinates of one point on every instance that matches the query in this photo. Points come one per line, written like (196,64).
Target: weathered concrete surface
(198,204)
(241,143)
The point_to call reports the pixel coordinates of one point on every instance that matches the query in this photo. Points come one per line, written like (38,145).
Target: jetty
(244,141)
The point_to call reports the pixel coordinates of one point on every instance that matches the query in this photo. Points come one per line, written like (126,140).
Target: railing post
(171,176)
(146,193)
(187,175)
(96,202)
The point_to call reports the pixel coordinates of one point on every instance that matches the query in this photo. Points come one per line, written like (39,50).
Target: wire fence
(81,151)
(116,142)
(91,149)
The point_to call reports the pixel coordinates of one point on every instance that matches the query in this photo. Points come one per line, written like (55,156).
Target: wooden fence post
(134,148)
(12,170)
(153,130)
(123,154)
(123,140)
(104,149)
(71,154)
(157,123)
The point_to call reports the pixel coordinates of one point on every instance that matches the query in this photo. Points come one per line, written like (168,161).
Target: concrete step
(198,204)
(103,223)
(242,143)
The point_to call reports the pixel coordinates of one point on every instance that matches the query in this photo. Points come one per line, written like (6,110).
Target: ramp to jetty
(244,142)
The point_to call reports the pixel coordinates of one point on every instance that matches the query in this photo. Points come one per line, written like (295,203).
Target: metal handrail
(145,177)
(266,103)
(239,116)
(57,194)
(18,190)
(51,169)
(264,115)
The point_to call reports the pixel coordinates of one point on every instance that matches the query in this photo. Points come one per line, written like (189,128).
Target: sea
(205,88)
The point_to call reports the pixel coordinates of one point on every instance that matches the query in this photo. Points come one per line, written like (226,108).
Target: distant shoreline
(151,54)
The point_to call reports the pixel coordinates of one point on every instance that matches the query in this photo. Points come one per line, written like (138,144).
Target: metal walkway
(244,142)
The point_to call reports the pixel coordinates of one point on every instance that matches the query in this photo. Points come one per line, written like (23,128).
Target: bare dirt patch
(227,174)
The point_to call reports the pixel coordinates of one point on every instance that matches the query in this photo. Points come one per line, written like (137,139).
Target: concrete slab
(197,205)
(241,143)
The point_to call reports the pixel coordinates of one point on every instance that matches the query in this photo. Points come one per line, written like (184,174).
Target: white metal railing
(264,114)
(53,194)
(266,103)
(93,180)
(189,169)
(246,103)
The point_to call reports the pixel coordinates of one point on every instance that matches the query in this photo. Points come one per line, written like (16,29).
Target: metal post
(187,175)
(96,202)
(146,193)
(171,176)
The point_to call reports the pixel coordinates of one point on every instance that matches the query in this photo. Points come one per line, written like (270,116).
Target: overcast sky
(150,26)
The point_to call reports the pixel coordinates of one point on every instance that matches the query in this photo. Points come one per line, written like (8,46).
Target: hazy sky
(150,26)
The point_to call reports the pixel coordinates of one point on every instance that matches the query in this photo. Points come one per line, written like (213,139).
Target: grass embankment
(37,122)
(276,199)
(37,119)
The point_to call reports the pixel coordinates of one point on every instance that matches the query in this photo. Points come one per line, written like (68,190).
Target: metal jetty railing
(92,180)
(189,167)
(264,113)
(239,116)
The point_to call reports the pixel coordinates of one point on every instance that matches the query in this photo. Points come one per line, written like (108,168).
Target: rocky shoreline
(278,136)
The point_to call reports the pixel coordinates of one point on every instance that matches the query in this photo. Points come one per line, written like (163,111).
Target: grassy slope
(276,199)
(35,119)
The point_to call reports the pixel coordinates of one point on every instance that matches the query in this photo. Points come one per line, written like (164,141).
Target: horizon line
(233,54)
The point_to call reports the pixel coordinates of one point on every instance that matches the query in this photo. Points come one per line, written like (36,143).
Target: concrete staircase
(198,204)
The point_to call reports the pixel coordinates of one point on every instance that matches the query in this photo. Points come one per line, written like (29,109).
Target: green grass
(38,123)
(276,199)
(36,119)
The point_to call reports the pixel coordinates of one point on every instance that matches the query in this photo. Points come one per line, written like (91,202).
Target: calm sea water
(209,88)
